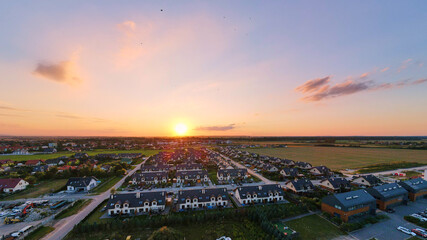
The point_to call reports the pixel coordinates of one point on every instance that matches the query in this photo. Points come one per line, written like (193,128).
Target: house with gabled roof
(134,203)
(268,193)
(203,198)
(231,174)
(192,175)
(291,173)
(76,184)
(320,171)
(349,206)
(417,188)
(9,185)
(300,185)
(6,162)
(303,165)
(149,177)
(33,163)
(335,184)
(366,180)
(389,195)
(54,162)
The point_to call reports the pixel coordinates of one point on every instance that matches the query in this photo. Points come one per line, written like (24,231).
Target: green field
(77,206)
(212,176)
(315,227)
(39,189)
(344,157)
(60,154)
(39,233)
(105,185)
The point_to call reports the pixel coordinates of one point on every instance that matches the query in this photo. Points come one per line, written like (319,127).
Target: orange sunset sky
(286,68)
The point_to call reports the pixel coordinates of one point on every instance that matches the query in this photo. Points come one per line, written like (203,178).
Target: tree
(165,233)
(113,191)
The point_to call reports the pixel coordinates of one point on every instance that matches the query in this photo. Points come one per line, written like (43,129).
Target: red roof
(9,182)
(6,161)
(33,162)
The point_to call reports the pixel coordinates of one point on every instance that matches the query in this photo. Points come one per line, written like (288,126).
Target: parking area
(387,229)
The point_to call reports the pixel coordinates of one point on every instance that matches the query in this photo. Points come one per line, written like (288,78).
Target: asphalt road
(64,226)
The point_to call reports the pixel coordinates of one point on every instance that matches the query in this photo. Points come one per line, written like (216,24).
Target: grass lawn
(212,176)
(344,157)
(39,233)
(242,229)
(59,154)
(95,215)
(314,227)
(410,174)
(107,184)
(40,189)
(78,205)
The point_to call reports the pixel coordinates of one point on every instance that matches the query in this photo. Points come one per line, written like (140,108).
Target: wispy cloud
(62,72)
(349,87)
(313,85)
(385,69)
(216,128)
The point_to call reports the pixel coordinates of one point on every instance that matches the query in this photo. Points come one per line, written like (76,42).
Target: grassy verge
(95,215)
(314,227)
(104,186)
(39,189)
(388,166)
(77,206)
(212,176)
(39,233)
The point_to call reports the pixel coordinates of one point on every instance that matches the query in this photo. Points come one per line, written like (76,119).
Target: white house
(259,194)
(202,198)
(10,185)
(134,203)
(76,184)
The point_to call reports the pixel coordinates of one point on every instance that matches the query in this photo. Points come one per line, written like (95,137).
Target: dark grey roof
(293,172)
(387,190)
(151,168)
(202,195)
(53,161)
(191,173)
(338,182)
(302,184)
(80,181)
(134,201)
(41,168)
(261,191)
(189,166)
(349,199)
(414,185)
(233,172)
(323,169)
(149,176)
(303,164)
(371,179)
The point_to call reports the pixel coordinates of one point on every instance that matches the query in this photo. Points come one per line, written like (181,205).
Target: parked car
(423,219)
(420,232)
(405,230)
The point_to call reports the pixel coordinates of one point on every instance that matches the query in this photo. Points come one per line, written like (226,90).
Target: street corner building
(134,203)
(269,193)
(349,206)
(416,187)
(389,195)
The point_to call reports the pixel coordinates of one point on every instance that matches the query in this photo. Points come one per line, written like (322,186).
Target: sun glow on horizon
(181,129)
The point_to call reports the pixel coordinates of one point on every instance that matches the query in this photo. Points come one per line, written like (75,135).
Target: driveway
(386,230)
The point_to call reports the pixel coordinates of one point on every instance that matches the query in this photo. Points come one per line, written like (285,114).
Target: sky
(222,68)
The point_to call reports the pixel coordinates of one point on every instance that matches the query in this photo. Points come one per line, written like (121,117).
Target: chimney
(203,191)
(138,194)
(112,196)
(260,187)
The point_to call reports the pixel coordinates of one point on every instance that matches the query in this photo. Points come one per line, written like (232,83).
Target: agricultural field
(344,157)
(315,227)
(68,154)
(39,189)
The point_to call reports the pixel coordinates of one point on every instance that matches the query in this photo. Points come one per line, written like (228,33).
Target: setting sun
(181,129)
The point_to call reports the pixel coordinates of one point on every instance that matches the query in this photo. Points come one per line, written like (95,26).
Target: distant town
(89,188)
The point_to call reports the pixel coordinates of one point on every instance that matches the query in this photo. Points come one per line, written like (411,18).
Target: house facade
(290,173)
(335,184)
(417,188)
(10,185)
(203,198)
(349,206)
(230,174)
(389,195)
(134,203)
(300,186)
(320,171)
(76,184)
(366,180)
(150,177)
(268,193)
(192,176)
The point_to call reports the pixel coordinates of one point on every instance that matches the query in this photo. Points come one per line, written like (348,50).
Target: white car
(405,230)
(419,217)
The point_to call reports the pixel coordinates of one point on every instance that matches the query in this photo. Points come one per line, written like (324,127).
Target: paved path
(64,226)
(300,216)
